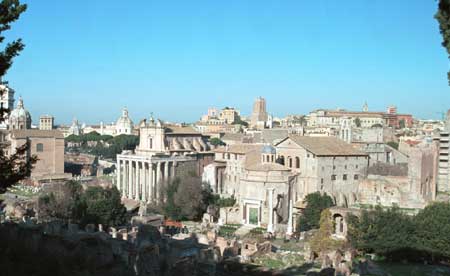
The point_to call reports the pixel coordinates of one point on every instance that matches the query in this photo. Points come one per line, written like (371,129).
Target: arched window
(297,162)
(40,147)
(290,162)
(280,160)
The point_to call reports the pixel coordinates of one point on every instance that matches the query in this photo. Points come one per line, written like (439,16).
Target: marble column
(270,227)
(172,173)
(166,171)
(158,182)
(144,182)
(151,183)
(125,179)
(289,231)
(118,172)
(130,179)
(137,191)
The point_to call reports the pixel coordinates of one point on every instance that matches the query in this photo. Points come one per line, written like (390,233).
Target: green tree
(216,142)
(101,206)
(61,202)
(443,17)
(17,166)
(389,233)
(393,144)
(186,198)
(96,205)
(322,240)
(315,204)
(433,229)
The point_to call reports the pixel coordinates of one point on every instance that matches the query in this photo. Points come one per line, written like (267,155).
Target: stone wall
(59,249)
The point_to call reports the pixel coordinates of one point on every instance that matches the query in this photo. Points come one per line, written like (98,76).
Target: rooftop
(325,146)
(24,133)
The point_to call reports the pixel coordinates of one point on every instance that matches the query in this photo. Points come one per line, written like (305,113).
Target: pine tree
(17,166)
(443,17)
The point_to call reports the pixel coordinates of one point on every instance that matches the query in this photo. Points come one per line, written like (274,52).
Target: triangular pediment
(288,143)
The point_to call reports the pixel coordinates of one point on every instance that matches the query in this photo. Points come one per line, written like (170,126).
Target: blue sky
(89,58)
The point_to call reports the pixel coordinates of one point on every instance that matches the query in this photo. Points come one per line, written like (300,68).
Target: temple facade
(164,152)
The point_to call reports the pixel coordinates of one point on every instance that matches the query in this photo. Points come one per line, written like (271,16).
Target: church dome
(124,124)
(267,149)
(20,118)
(75,128)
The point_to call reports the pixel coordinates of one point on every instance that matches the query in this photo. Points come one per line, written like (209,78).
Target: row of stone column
(143,180)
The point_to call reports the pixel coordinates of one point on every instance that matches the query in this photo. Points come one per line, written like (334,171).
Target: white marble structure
(162,150)
(142,178)
(19,118)
(124,124)
(75,128)
(6,101)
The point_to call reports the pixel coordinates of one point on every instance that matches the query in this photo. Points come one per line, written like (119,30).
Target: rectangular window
(40,147)
(333,177)
(321,181)
(356,177)
(344,177)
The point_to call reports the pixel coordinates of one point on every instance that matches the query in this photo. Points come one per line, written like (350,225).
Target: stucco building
(46,122)
(271,182)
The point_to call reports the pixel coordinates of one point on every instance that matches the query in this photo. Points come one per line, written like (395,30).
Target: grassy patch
(228,230)
(22,190)
(280,261)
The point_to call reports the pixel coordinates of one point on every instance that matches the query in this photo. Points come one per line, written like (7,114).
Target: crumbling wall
(388,170)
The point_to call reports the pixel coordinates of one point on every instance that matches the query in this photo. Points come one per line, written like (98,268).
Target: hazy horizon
(89,59)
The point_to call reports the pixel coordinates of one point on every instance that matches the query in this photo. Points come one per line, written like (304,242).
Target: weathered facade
(48,146)
(163,153)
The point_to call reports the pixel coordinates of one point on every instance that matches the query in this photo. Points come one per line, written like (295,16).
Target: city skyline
(188,57)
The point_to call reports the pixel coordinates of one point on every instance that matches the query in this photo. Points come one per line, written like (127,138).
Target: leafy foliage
(393,144)
(397,236)
(10,11)
(61,203)
(223,202)
(216,142)
(433,229)
(316,203)
(95,205)
(443,17)
(101,206)
(15,167)
(104,146)
(187,198)
(322,241)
